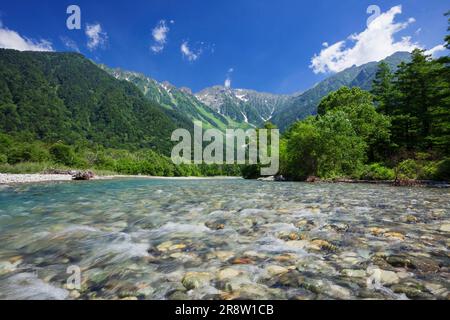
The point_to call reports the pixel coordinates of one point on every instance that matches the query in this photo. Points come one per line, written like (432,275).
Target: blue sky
(257,44)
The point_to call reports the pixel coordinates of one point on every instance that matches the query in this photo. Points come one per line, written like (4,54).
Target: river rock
(223,256)
(394,235)
(315,265)
(243,260)
(287,257)
(216,225)
(350,258)
(376,231)
(400,261)
(325,287)
(276,270)
(410,219)
(412,289)
(297,244)
(228,273)
(193,280)
(338,292)
(422,264)
(437,289)
(253,292)
(170,246)
(179,295)
(8,267)
(83,176)
(383,276)
(445,227)
(354,273)
(75,294)
(323,245)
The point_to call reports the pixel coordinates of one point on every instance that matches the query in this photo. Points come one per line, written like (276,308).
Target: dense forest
(399,130)
(59,110)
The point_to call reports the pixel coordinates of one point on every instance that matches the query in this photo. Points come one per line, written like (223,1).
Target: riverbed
(223,239)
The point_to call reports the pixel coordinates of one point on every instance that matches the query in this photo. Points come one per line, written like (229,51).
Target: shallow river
(223,239)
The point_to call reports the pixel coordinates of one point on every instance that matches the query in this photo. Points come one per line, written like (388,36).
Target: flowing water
(223,239)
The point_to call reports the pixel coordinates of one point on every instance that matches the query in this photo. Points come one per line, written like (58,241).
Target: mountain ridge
(223,107)
(173,98)
(56,96)
(305,104)
(287,109)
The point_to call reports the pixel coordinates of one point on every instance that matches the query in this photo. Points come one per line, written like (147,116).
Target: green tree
(370,125)
(422,106)
(383,90)
(63,154)
(326,146)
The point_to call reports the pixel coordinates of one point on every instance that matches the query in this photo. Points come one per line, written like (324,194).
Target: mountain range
(223,107)
(54,96)
(180,100)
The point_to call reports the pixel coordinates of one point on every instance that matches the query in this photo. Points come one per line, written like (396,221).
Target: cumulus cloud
(70,44)
(97,38)
(159,34)
(375,43)
(435,52)
(188,53)
(10,39)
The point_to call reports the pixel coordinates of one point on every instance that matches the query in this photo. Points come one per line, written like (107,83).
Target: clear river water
(223,239)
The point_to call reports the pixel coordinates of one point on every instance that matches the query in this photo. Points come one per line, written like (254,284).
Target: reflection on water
(223,239)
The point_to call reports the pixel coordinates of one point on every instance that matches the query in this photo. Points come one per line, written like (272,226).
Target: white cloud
(373,44)
(159,34)
(188,53)
(70,44)
(434,52)
(10,39)
(96,36)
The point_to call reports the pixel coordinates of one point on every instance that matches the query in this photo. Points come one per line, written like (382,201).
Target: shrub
(28,152)
(24,167)
(409,169)
(63,154)
(377,171)
(429,171)
(251,172)
(3,158)
(443,170)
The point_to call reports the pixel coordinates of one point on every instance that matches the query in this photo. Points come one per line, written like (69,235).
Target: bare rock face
(83,176)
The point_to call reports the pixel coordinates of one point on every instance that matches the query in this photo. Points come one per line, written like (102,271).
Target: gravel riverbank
(6,178)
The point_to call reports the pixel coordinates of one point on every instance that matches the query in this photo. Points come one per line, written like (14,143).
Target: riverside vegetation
(399,130)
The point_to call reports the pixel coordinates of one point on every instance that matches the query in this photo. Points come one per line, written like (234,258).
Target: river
(223,239)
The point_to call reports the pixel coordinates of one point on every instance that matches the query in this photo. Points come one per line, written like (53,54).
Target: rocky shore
(6,178)
(30,178)
(395,183)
